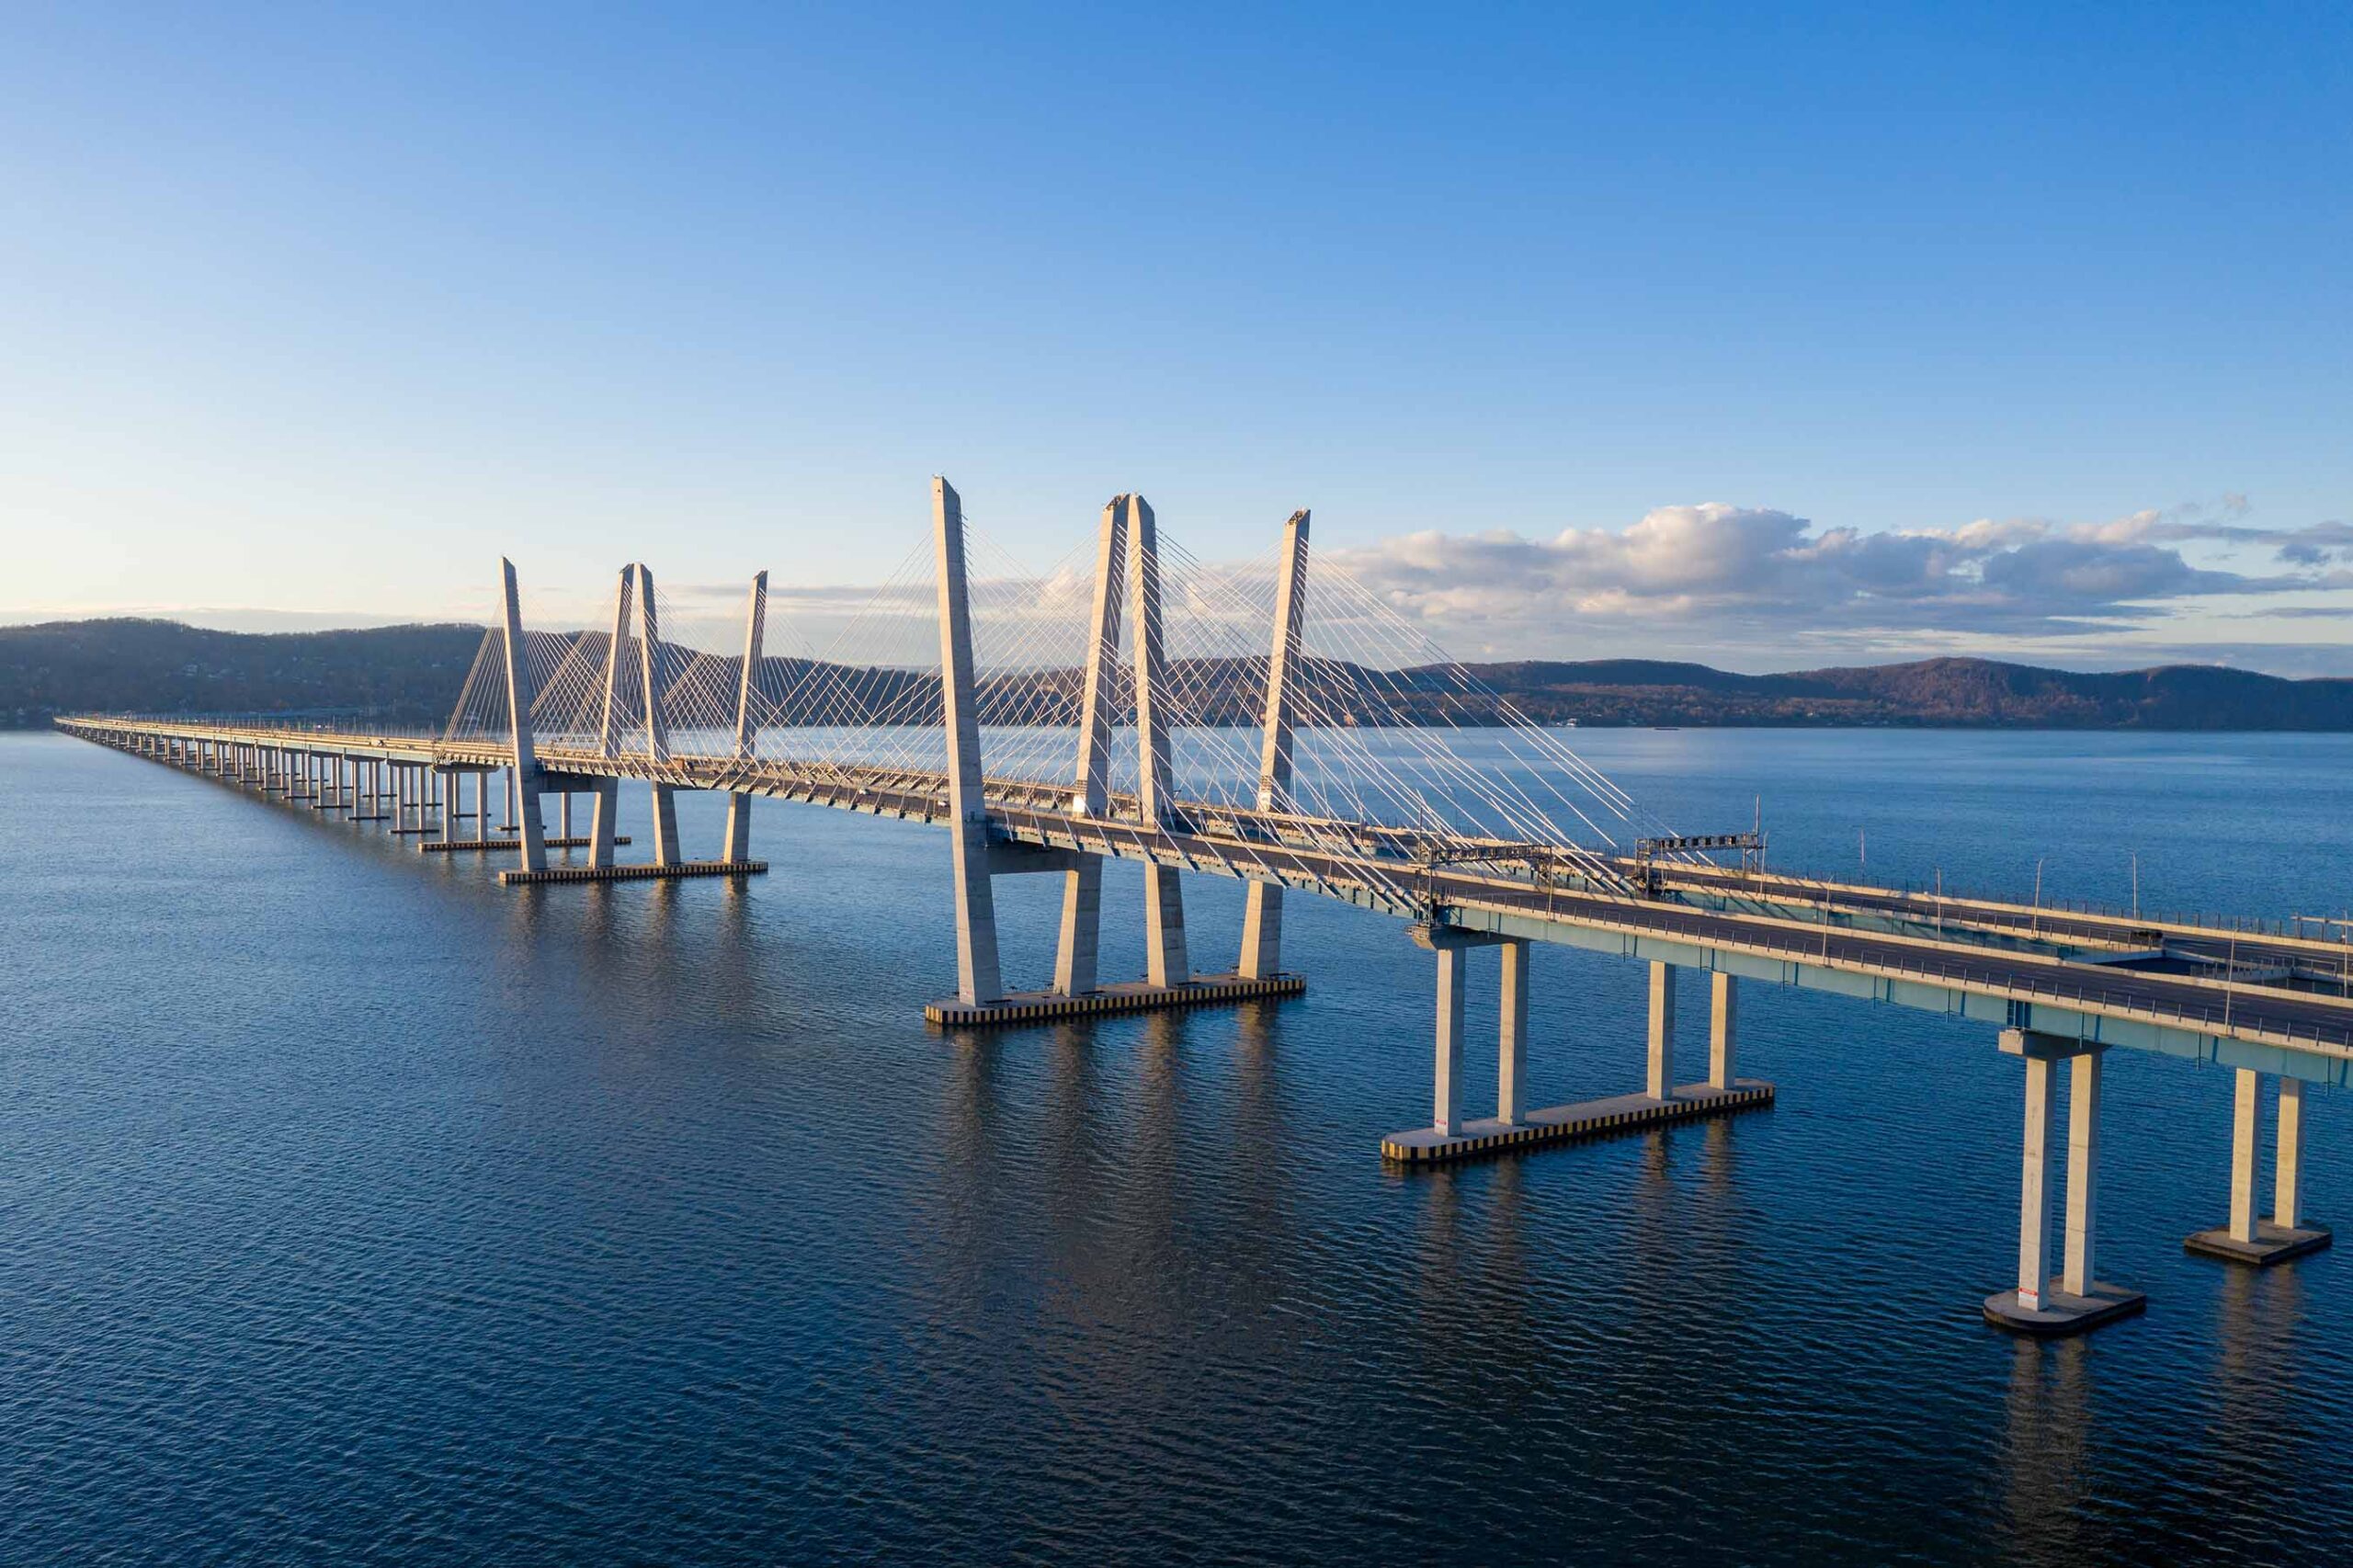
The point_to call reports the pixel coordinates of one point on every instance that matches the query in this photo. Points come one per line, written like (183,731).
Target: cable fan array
(1402,759)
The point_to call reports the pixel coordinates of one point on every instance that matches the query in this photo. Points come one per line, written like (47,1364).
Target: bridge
(1141,705)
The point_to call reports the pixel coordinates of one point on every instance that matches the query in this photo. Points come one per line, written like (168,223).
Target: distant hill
(405,675)
(1945,692)
(411,674)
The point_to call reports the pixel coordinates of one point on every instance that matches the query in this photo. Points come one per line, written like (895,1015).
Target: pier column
(1446,1105)
(563,816)
(1262,910)
(1451,945)
(2083,1172)
(1723,998)
(2079,1301)
(2289,1154)
(600,823)
(978,976)
(1661,1083)
(2243,1107)
(1511,1034)
(2034,1207)
(1077,950)
(2249,1238)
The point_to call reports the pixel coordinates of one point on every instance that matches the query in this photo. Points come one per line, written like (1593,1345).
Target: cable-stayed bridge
(1288,728)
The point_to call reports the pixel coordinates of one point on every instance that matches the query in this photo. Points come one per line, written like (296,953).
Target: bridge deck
(2066,972)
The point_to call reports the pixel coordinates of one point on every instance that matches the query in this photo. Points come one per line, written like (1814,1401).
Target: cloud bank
(1716,576)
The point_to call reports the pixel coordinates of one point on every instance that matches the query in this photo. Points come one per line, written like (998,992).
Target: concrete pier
(1446,1100)
(2248,1238)
(1511,1035)
(1452,946)
(1660,1080)
(1452,1136)
(1723,1022)
(2076,1301)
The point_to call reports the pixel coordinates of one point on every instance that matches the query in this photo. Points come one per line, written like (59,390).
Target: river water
(352,1207)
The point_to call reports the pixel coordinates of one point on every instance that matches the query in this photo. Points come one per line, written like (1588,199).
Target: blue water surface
(353,1208)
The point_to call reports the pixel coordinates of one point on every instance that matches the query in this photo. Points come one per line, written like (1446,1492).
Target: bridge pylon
(599,740)
(518,711)
(739,804)
(980,980)
(1127,586)
(1082,929)
(1262,912)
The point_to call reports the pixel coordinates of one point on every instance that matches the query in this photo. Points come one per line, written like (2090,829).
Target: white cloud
(1717,575)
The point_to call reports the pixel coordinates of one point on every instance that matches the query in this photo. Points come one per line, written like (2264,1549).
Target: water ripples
(352,1207)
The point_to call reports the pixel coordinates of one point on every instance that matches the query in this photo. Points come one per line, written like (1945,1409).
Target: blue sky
(1688,332)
